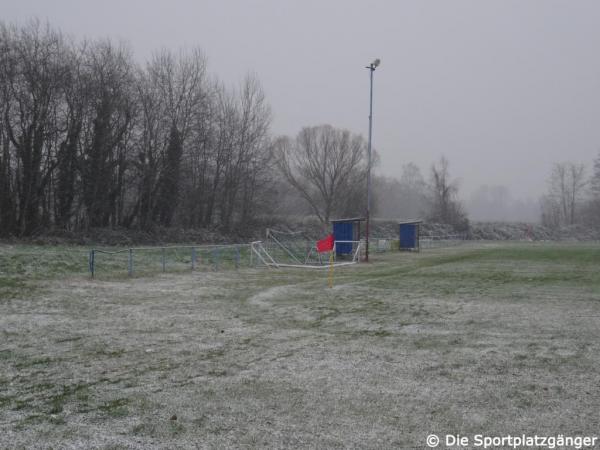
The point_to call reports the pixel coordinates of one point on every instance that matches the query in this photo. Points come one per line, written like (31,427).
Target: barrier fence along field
(446,240)
(386,244)
(215,257)
(137,260)
(45,261)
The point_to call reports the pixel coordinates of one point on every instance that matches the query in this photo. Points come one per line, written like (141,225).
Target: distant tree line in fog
(412,196)
(495,203)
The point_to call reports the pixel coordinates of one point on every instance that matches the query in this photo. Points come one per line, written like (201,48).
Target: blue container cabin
(346,230)
(409,235)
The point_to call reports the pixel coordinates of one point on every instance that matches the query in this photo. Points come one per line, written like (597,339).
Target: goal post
(277,252)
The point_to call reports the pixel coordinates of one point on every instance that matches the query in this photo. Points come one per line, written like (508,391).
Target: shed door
(408,236)
(342,231)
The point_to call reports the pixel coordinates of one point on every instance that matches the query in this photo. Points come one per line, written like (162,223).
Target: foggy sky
(502,88)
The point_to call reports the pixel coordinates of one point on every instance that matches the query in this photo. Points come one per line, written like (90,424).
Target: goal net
(298,249)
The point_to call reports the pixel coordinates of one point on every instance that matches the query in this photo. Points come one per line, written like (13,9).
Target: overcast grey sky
(503,88)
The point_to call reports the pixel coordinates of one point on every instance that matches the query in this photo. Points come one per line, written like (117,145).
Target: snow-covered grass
(488,338)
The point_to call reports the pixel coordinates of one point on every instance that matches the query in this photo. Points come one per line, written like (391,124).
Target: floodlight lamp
(376,62)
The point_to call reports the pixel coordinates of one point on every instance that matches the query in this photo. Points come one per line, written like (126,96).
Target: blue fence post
(193,258)
(92,262)
(163,260)
(130,263)
(215,255)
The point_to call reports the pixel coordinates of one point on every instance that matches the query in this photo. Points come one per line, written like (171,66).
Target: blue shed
(346,230)
(409,235)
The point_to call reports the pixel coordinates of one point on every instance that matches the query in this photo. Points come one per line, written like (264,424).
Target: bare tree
(32,65)
(551,212)
(217,149)
(324,164)
(413,190)
(74,111)
(401,198)
(172,95)
(445,207)
(7,157)
(566,187)
(595,179)
(107,131)
(592,207)
(249,157)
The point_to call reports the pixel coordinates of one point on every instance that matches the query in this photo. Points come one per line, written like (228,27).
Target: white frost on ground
(443,341)
(264,298)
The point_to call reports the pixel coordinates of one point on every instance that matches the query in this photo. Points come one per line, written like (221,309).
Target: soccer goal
(298,249)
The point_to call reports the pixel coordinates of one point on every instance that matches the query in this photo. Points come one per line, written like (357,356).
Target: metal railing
(141,260)
(446,240)
(386,244)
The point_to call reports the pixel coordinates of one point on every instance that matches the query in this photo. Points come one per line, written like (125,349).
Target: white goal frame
(263,256)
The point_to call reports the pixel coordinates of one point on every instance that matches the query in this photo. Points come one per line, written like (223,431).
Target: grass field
(493,339)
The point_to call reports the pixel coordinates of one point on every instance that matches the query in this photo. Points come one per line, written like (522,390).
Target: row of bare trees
(327,167)
(88,138)
(573,196)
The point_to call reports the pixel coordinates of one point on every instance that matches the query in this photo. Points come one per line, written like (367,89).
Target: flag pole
(331,253)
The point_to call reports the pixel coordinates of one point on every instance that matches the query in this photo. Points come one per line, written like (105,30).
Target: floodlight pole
(371,68)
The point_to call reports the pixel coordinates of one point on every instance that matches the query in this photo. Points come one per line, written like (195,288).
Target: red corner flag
(325,245)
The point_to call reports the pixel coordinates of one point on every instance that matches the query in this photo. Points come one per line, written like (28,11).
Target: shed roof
(351,219)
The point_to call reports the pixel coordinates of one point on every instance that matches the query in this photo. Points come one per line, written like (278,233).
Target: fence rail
(385,244)
(446,240)
(137,260)
(17,261)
